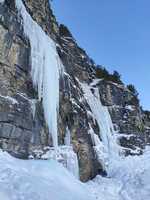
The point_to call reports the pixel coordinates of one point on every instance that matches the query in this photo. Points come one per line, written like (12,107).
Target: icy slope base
(37,180)
(48,180)
(129,180)
(66,156)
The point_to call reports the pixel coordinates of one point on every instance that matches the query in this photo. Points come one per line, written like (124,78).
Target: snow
(96,81)
(135,151)
(47,179)
(66,156)
(46,67)
(33,106)
(107,149)
(128,177)
(129,180)
(11,99)
(38,180)
(67,137)
(98,147)
(75,103)
(70,160)
(130,107)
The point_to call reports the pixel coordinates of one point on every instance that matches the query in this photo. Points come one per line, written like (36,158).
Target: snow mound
(38,180)
(66,156)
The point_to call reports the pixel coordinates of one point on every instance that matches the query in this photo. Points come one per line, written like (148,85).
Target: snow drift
(38,180)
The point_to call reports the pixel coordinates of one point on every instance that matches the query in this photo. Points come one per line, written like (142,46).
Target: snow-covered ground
(49,180)
(129,180)
(38,180)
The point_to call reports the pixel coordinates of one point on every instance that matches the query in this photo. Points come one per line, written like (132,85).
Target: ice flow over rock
(45,69)
(107,148)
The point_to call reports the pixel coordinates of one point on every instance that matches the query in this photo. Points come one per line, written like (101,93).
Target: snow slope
(129,180)
(38,180)
(48,180)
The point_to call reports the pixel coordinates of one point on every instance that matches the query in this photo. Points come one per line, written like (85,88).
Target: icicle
(99,149)
(67,137)
(33,106)
(45,69)
(72,162)
(66,156)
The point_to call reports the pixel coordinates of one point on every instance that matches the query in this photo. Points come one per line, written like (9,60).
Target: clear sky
(115,33)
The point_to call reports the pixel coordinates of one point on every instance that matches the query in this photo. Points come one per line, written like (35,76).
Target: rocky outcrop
(23,130)
(127,116)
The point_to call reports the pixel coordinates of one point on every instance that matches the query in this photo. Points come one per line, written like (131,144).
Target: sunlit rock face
(20,130)
(127,116)
(23,129)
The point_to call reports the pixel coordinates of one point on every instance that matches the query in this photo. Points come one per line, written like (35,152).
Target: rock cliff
(23,131)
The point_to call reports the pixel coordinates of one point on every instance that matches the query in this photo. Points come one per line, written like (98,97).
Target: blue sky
(115,33)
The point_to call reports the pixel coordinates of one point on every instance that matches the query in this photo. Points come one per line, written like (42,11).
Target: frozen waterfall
(45,70)
(108,148)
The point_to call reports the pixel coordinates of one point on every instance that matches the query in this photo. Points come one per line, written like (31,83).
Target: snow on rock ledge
(46,66)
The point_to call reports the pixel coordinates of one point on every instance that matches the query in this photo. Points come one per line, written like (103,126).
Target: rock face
(23,131)
(20,128)
(127,116)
